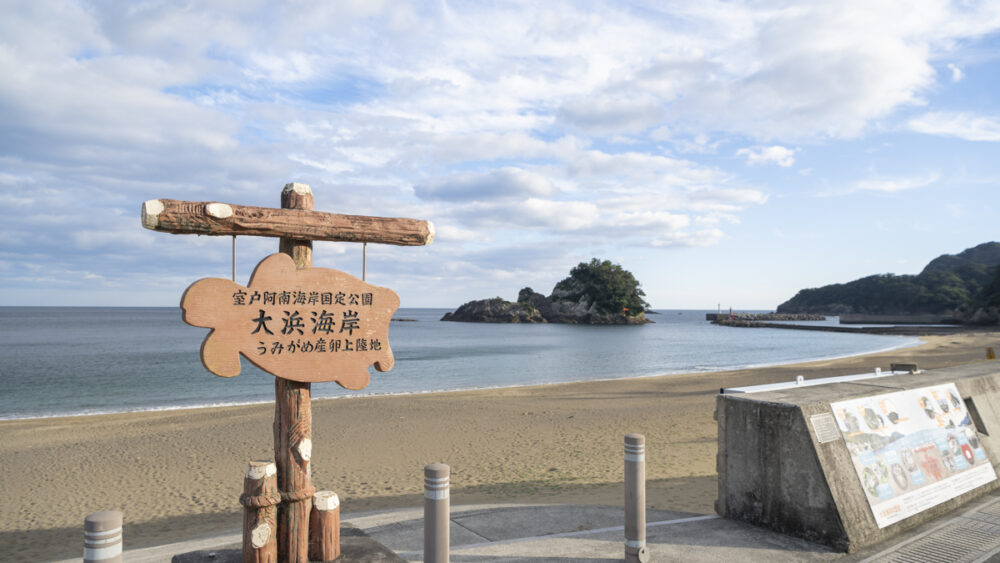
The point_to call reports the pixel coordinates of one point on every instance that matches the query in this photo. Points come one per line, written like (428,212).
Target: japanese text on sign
(243,297)
(313,324)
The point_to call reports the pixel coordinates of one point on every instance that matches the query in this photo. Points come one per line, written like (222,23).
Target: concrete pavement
(566,533)
(593,534)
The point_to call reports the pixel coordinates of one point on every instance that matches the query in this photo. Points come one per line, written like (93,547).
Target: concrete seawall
(719,317)
(932,319)
(781,469)
(897,330)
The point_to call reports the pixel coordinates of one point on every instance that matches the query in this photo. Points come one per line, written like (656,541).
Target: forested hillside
(949,284)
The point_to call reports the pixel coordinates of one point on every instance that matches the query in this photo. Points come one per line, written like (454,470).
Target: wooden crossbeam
(224,219)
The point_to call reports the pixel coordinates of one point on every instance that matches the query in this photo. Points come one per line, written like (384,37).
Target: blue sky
(724,152)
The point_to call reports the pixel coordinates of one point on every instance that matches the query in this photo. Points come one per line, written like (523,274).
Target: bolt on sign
(307,325)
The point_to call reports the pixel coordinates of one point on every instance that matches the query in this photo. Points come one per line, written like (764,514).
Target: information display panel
(912,449)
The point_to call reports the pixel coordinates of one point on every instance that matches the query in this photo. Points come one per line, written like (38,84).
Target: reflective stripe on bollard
(102,537)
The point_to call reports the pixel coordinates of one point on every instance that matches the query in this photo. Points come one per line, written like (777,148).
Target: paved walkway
(583,533)
(593,534)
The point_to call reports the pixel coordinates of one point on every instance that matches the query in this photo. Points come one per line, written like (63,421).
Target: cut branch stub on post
(260,501)
(297,199)
(324,527)
(224,219)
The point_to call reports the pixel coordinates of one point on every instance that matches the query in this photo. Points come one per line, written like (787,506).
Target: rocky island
(597,292)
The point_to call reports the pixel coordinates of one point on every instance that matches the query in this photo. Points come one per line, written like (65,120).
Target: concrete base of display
(784,463)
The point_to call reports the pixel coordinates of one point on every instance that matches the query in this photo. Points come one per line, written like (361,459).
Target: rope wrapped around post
(296,496)
(260,500)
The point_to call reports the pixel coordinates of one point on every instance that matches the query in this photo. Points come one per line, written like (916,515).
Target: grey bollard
(102,537)
(635,499)
(436,513)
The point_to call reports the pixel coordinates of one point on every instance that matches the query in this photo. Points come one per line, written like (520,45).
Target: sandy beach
(178,474)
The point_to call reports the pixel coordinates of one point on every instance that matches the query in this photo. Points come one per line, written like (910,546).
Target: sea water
(59,361)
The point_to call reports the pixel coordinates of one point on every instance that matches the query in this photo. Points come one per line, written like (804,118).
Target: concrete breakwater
(928,319)
(715,317)
(896,330)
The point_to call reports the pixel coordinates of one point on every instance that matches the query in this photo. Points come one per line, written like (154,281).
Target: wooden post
(102,537)
(293,419)
(437,513)
(260,500)
(635,499)
(324,527)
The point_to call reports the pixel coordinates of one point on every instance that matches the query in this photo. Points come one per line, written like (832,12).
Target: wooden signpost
(299,323)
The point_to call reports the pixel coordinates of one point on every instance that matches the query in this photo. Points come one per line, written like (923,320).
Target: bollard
(324,527)
(878,372)
(990,354)
(260,501)
(436,513)
(635,499)
(102,537)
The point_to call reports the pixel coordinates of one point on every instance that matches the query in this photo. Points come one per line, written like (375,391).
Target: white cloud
(114,239)
(558,126)
(728,196)
(294,66)
(563,215)
(897,184)
(505,183)
(705,237)
(956,73)
(640,219)
(605,114)
(698,144)
(963,125)
(775,154)
(822,70)
(451,234)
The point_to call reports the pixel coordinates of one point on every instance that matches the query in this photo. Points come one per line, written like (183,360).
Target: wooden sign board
(309,325)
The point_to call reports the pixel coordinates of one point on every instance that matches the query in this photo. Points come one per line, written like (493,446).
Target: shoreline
(178,474)
(915,341)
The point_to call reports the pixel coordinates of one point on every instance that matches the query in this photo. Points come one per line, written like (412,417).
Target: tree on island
(609,287)
(598,292)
